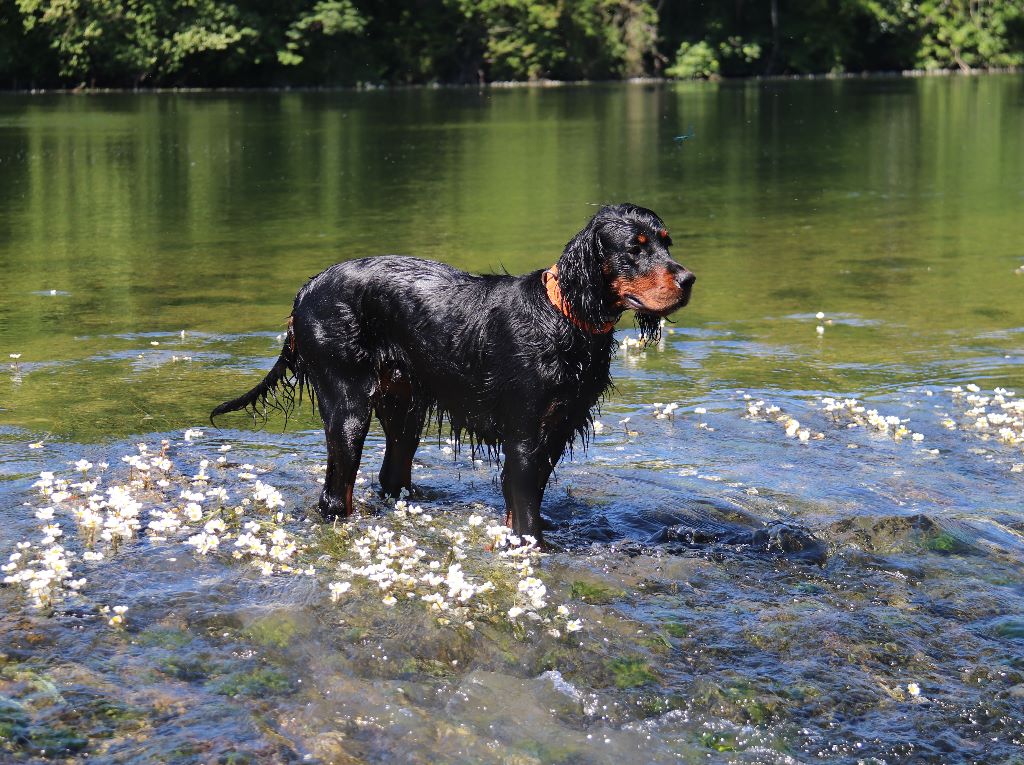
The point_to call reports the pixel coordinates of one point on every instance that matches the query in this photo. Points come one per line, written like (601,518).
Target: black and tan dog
(517,363)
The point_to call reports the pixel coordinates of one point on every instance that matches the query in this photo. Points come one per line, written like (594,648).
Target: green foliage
(329,42)
(526,39)
(326,19)
(694,60)
(969,34)
(134,41)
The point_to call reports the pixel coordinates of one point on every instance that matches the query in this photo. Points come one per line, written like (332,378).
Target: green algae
(719,741)
(189,666)
(169,638)
(594,593)
(414,665)
(631,672)
(655,641)
(14,721)
(256,682)
(54,740)
(677,629)
(276,630)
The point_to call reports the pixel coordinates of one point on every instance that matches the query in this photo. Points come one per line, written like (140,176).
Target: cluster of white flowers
(43,570)
(428,566)
(761,409)
(460,568)
(999,416)
(854,414)
(106,518)
(664,411)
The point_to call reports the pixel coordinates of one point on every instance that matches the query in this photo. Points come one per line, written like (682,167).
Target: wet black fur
(414,341)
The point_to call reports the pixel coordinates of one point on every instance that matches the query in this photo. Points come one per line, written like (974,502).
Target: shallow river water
(816,555)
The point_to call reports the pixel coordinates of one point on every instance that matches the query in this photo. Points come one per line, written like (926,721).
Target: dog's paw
(331,508)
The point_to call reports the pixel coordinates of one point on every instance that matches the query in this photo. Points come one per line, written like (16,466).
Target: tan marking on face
(657,290)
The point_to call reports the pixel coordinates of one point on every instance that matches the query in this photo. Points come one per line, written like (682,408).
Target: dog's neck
(550,280)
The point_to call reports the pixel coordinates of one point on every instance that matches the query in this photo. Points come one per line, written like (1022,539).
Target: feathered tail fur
(281,388)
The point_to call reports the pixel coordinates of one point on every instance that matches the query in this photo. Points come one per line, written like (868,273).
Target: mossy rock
(631,672)
(163,637)
(188,667)
(1010,628)
(55,740)
(529,751)
(944,542)
(14,720)
(655,705)
(654,641)
(263,681)
(742,703)
(234,757)
(677,629)
(593,593)
(719,741)
(429,667)
(276,630)
(113,715)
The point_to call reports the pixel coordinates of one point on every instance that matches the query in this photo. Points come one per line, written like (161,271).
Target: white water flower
(215,526)
(338,589)
(203,542)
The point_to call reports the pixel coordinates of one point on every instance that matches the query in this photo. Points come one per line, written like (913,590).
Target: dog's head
(620,262)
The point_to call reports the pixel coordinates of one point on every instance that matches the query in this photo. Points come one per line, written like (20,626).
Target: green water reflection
(892,205)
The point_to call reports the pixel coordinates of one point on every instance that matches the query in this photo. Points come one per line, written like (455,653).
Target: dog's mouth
(636,304)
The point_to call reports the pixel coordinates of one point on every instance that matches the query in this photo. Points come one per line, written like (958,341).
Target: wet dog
(516,363)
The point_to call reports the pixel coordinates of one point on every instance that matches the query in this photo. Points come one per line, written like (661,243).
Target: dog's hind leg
(345,409)
(402,421)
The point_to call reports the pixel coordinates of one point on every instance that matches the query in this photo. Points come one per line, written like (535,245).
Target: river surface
(817,555)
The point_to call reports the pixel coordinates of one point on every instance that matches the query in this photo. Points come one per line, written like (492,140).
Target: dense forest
(175,43)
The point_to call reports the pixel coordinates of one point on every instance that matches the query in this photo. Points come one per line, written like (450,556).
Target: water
(745,596)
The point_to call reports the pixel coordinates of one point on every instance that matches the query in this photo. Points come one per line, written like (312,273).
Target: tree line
(259,43)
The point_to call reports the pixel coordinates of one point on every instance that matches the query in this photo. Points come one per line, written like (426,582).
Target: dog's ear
(580,277)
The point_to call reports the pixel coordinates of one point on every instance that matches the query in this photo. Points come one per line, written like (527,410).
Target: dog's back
(469,347)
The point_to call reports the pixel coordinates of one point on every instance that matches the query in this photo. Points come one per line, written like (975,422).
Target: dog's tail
(280,389)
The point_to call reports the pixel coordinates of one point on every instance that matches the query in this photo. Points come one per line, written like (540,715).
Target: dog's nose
(685,279)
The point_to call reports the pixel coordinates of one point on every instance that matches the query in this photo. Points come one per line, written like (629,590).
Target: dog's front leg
(521,485)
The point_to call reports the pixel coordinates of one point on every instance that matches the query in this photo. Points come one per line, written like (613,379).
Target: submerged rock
(773,538)
(911,533)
